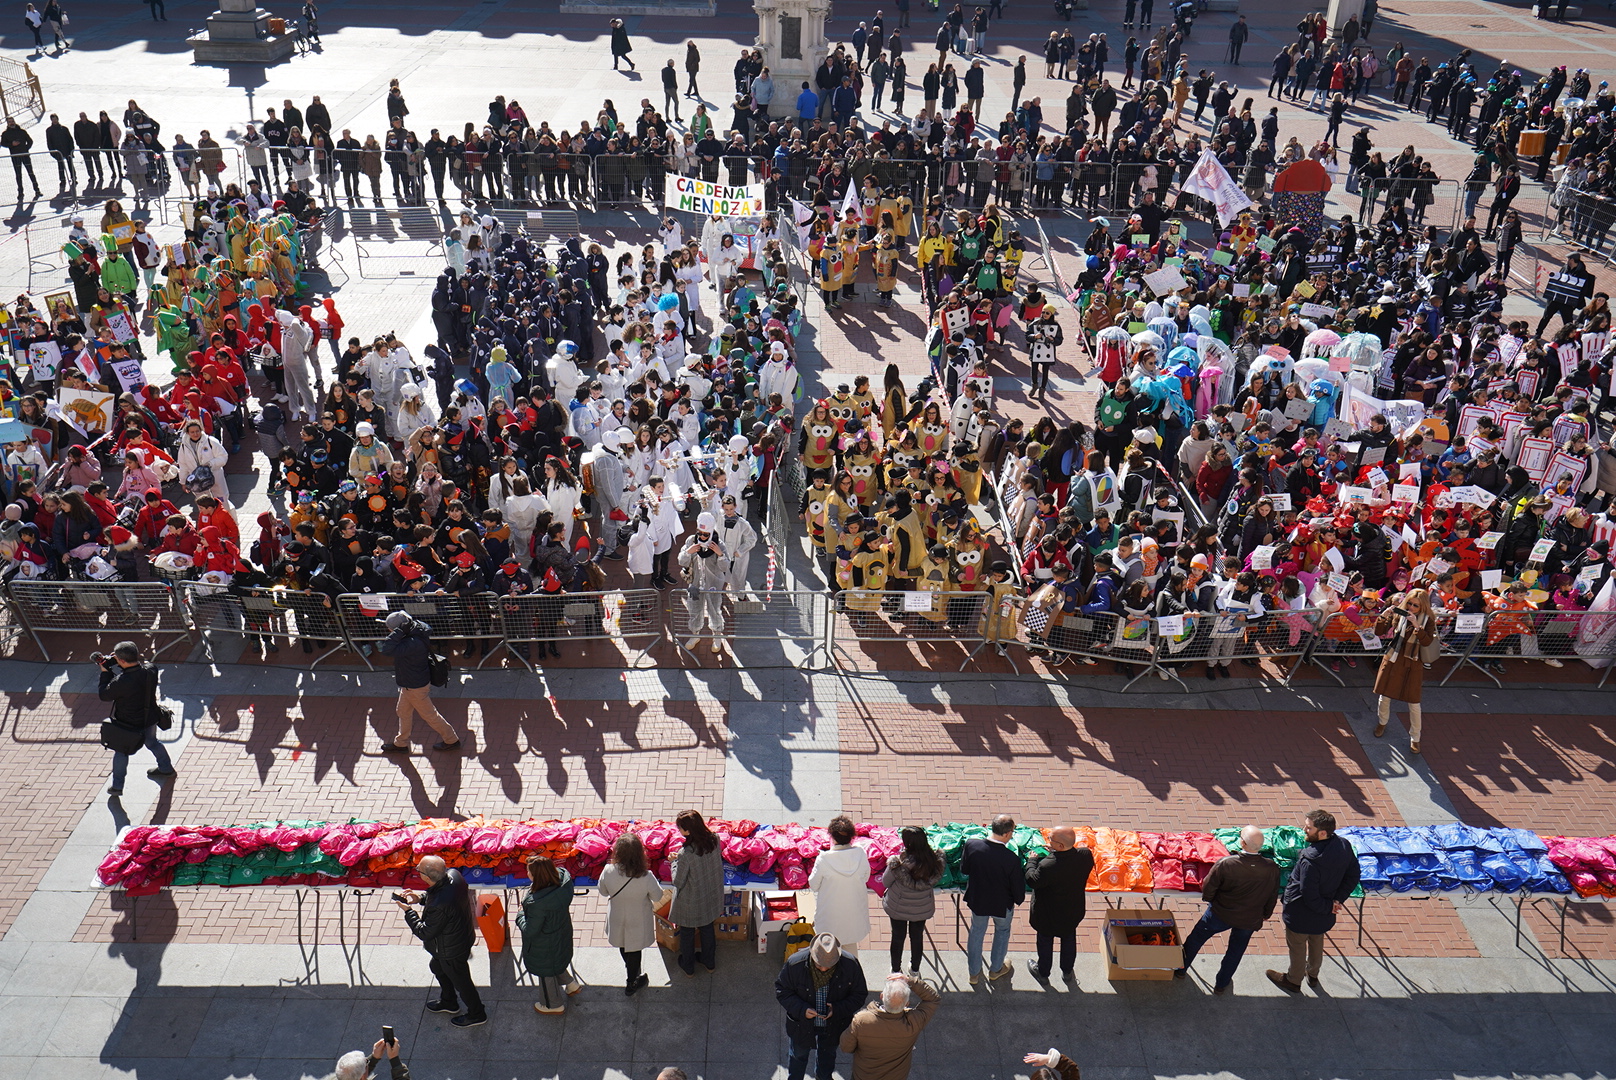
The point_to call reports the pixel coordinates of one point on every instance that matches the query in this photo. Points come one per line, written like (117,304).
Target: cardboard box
(727,927)
(1125,962)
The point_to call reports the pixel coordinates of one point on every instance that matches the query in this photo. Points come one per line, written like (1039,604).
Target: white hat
(706,522)
(611,439)
(362,429)
(777,348)
(738,443)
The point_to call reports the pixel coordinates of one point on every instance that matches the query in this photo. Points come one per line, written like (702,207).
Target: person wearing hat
(409,643)
(130,684)
(602,474)
(739,538)
(706,564)
(821,991)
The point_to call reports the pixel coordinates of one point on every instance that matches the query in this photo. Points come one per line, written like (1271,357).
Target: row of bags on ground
(493,851)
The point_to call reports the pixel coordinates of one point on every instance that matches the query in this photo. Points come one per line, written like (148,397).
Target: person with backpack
(409,643)
(130,684)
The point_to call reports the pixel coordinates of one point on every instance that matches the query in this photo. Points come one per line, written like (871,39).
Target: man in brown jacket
(1240,894)
(883,1034)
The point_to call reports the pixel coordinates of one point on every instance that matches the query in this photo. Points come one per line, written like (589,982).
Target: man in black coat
(447,931)
(994,885)
(1324,876)
(1059,882)
(130,684)
(821,990)
(409,643)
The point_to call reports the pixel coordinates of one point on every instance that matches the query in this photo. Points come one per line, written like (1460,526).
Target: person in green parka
(546,926)
(116,273)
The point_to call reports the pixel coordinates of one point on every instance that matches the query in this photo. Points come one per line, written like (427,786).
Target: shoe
(541,1009)
(1162,674)
(159,772)
(573,988)
(1413,747)
(1181,973)
(555,651)
(1035,971)
(976,980)
(1313,981)
(640,983)
(1224,989)
(469,1021)
(1380,730)
(1278,979)
(273,647)
(717,647)
(1351,662)
(439,1007)
(1001,973)
(1335,666)
(1211,674)
(914,973)
(1068,976)
(114,791)
(615,556)
(394,748)
(441,745)
(691,643)
(1554,663)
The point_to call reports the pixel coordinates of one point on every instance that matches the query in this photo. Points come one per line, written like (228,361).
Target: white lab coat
(739,538)
(563,499)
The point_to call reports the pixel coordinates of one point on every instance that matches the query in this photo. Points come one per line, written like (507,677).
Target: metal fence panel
(863,617)
(624,616)
(265,618)
(1220,638)
(363,618)
(800,617)
(116,609)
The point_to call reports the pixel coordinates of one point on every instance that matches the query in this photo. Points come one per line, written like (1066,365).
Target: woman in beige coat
(632,893)
(1406,628)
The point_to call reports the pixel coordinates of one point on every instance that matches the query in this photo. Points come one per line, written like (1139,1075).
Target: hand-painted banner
(701,197)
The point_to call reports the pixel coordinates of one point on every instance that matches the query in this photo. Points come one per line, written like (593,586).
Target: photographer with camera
(706,564)
(355,1065)
(131,685)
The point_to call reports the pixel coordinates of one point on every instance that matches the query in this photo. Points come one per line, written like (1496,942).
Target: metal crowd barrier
(798,617)
(362,618)
(553,619)
(103,609)
(265,618)
(924,618)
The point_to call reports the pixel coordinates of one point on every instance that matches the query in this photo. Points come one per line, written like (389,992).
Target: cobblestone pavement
(214,983)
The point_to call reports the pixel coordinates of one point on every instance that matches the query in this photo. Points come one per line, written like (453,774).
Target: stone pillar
(1339,12)
(240,32)
(791,34)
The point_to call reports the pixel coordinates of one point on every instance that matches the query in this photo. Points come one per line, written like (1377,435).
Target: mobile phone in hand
(387,1034)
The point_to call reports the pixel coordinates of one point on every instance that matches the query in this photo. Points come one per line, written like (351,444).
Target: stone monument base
(270,50)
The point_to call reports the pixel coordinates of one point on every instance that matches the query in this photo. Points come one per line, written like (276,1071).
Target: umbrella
(1320,342)
(1146,337)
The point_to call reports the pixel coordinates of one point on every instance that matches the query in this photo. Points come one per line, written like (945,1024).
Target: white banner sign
(700,197)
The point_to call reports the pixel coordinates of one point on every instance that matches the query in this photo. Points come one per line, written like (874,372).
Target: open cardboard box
(1139,962)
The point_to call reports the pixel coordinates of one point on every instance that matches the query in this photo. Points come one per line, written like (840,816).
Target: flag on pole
(1211,181)
(803,218)
(852,201)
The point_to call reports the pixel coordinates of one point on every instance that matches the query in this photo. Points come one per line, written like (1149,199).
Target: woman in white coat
(663,503)
(413,413)
(522,510)
(840,885)
(561,492)
(632,893)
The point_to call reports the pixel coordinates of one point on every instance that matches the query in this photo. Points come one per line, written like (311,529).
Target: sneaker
(1001,973)
(914,973)
(1181,973)
(539,1008)
(717,648)
(441,745)
(615,556)
(154,773)
(1554,663)
(469,1021)
(1035,971)
(394,748)
(976,980)
(573,988)
(439,1007)
(1224,989)
(1162,674)
(691,643)
(114,791)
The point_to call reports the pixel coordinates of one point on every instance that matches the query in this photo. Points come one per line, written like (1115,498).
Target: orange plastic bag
(491,920)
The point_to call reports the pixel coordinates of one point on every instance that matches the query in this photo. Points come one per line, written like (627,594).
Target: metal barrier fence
(265,618)
(781,616)
(865,617)
(1583,217)
(103,609)
(400,242)
(362,618)
(20,95)
(550,620)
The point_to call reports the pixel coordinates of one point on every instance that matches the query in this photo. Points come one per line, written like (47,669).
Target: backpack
(438,668)
(799,935)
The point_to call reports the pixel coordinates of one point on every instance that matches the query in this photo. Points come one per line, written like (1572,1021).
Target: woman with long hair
(910,878)
(561,491)
(632,893)
(545,923)
(698,900)
(1407,627)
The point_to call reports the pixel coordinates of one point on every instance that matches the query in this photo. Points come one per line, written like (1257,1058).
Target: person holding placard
(1407,628)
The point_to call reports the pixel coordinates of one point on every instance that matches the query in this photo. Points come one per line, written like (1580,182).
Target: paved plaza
(210,984)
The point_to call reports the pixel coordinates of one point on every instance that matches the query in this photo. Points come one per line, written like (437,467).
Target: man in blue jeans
(1240,894)
(994,885)
(821,989)
(131,685)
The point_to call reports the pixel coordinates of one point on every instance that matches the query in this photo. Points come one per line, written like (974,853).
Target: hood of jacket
(848,862)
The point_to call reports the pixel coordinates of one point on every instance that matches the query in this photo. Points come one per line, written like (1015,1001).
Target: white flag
(803,216)
(852,202)
(1211,181)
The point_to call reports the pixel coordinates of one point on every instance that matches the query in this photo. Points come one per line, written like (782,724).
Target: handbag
(200,480)
(438,668)
(121,740)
